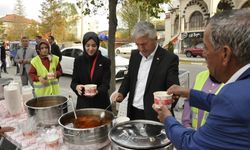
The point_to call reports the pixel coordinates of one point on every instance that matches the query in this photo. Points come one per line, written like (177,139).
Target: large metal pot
(47,109)
(139,134)
(86,136)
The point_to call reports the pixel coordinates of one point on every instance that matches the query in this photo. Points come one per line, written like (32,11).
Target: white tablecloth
(36,142)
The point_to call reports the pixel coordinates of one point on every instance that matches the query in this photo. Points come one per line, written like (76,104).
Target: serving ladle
(71,100)
(102,115)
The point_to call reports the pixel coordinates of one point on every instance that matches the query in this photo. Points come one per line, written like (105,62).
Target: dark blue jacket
(228,123)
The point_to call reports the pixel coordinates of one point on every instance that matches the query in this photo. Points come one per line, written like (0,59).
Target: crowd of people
(215,109)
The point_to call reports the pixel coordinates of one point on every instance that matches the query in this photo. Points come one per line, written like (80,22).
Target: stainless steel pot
(47,109)
(86,136)
(139,134)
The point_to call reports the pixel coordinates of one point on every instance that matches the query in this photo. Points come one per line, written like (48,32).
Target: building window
(196,21)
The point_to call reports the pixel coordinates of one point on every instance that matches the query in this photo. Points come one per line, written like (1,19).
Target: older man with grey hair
(227,51)
(151,68)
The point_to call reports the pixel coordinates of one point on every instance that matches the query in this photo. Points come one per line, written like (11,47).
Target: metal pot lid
(139,134)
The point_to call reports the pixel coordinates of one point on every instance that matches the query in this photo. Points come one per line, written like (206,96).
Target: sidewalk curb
(203,63)
(193,60)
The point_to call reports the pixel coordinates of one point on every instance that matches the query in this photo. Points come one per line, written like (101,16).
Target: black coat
(163,73)
(56,50)
(101,77)
(3,53)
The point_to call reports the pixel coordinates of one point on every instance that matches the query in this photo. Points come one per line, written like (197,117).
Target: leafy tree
(17,29)
(32,30)
(111,40)
(52,21)
(152,6)
(71,17)
(131,13)
(57,18)
(1,30)
(19,8)
(20,25)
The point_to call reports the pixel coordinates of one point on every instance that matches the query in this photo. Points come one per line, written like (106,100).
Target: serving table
(37,142)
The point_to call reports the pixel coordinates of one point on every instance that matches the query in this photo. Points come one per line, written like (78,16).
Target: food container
(139,134)
(27,93)
(51,75)
(97,136)
(51,141)
(13,99)
(90,89)
(28,127)
(163,98)
(47,109)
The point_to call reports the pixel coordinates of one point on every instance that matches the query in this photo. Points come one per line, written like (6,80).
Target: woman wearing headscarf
(45,71)
(91,68)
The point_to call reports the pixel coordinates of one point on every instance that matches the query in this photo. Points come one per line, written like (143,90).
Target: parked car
(126,48)
(195,51)
(70,53)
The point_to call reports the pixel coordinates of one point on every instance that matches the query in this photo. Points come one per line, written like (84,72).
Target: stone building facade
(188,18)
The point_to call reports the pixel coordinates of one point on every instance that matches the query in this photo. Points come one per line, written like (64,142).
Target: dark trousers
(3,66)
(17,68)
(136,113)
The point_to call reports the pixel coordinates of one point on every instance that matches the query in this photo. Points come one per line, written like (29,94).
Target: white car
(70,53)
(126,48)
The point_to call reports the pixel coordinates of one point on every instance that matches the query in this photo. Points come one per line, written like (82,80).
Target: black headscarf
(87,36)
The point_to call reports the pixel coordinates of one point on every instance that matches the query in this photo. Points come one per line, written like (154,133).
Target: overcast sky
(31,8)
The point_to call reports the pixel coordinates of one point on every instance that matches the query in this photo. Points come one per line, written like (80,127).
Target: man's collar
(237,74)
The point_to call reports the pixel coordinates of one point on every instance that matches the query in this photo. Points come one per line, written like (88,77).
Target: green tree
(52,20)
(32,30)
(17,29)
(19,8)
(131,13)
(2,29)
(71,16)
(58,19)
(152,6)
